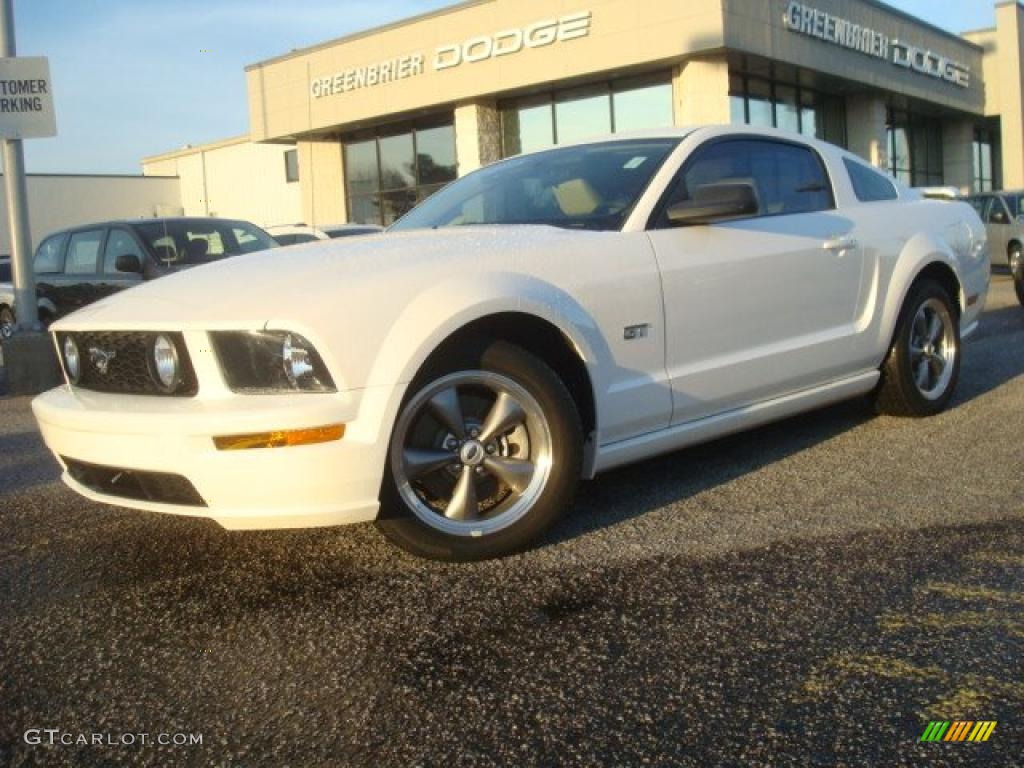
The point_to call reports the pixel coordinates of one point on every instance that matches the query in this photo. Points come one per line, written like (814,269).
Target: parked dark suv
(78,266)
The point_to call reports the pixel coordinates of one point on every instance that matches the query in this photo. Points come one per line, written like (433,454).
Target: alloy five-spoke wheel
(921,370)
(933,348)
(484,456)
(471,453)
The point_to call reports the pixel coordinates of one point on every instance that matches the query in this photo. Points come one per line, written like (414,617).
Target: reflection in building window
(387,173)
(915,149)
(543,121)
(770,104)
(983,155)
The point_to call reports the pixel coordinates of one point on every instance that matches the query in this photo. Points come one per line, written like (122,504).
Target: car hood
(304,281)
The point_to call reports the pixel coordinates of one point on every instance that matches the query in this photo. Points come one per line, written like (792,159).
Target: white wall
(234,179)
(59,201)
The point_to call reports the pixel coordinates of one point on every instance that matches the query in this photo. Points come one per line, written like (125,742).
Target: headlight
(72,360)
(166,366)
(270,362)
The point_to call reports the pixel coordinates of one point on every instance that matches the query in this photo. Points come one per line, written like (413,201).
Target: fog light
(286,438)
(72,361)
(166,368)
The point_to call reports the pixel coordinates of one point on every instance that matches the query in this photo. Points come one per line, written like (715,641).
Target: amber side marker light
(280,439)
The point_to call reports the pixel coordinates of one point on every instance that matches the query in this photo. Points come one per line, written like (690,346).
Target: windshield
(594,186)
(183,243)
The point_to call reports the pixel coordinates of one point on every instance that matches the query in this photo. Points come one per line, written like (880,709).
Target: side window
(787,178)
(119,243)
(997,212)
(869,186)
(49,258)
(84,252)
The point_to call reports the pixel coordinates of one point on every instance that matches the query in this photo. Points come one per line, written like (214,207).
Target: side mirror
(128,262)
(715,202)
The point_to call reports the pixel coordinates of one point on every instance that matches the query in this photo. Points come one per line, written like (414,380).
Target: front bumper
(330,483)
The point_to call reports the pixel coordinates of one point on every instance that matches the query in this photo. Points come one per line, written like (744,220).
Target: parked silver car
(1003,214)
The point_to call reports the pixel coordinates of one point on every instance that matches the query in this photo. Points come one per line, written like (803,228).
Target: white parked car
(296,234)
(539,321)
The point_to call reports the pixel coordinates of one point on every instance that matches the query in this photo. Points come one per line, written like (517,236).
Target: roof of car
(155,220)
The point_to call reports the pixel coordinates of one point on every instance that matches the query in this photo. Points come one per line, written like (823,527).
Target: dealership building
(366,125)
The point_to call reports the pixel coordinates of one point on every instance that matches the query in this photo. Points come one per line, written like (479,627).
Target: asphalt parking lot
(812,593)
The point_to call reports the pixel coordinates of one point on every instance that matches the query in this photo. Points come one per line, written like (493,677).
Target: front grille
(160,487)
(128,366)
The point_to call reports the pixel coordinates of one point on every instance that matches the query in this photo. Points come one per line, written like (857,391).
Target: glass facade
(387,173)
(770,104)
(983,156)
(565,116)
(915,149)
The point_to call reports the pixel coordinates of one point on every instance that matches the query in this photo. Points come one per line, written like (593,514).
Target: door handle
(840,243)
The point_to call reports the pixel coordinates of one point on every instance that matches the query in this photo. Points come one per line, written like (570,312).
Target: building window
(915,149)
(769,104)
(566,116)
(387,173)
(984,162)
(291,165)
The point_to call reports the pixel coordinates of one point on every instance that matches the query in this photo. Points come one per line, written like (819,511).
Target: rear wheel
(7,323)
(484,457)
(921,371)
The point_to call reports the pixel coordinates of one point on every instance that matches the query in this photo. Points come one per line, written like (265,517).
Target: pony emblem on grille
(101,358)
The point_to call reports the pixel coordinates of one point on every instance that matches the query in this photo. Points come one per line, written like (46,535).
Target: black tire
(7,323)
(898,392)
(401,524)
(1015,256)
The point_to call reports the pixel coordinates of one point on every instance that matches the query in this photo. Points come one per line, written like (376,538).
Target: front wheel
(485,455)
(1017,270)
(921,370)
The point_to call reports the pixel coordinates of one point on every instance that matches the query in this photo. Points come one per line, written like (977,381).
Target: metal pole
(24,278)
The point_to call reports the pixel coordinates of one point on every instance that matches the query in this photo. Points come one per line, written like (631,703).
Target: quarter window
(869,186)
(787,178)
(84,252)
(49,258)
(119,243)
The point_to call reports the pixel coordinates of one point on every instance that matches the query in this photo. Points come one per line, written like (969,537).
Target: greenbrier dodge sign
(818,24)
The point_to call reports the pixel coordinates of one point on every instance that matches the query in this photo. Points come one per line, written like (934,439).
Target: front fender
(445,308)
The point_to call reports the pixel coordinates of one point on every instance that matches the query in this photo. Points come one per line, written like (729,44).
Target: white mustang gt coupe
(536,322)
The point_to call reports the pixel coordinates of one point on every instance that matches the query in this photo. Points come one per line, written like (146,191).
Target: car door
(48,266)
(999,224)
(79,284)
(120,242)
(763,306)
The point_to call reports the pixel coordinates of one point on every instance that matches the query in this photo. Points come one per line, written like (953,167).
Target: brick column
(477,135)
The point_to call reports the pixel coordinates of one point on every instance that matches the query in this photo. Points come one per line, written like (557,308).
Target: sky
(134,78)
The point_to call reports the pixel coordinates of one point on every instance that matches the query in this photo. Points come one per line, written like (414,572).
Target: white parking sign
(26,98)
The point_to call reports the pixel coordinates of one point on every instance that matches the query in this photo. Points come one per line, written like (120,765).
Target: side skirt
(710,428)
